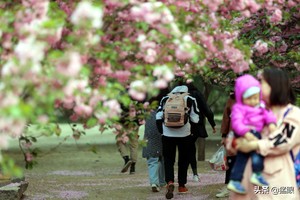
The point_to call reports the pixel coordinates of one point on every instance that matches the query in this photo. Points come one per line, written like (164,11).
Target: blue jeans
(156,171)
(241,161)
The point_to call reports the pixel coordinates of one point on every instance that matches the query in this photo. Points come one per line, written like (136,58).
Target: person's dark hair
(191,86)
(281,89)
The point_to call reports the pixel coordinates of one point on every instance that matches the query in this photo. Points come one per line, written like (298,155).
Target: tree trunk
(201,149)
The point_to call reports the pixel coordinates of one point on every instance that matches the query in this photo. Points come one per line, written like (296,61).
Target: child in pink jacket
(249,116)
(276,146)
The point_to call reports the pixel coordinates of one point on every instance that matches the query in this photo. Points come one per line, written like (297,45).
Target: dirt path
(72,171)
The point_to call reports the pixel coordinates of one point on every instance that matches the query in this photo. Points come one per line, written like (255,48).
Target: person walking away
(225,130)
(198,129)
(249,116)
(153,153)
(276,146)
(129,149)
(176,137)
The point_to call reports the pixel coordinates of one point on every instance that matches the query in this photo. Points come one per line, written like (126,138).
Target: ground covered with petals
(73,171)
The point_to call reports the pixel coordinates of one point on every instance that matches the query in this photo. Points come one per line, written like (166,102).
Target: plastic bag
(218,160)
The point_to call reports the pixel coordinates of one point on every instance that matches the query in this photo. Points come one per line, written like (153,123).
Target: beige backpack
(176,110)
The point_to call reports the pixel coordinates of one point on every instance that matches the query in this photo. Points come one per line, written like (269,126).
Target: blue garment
(156,171)
(153,152)
(241,161)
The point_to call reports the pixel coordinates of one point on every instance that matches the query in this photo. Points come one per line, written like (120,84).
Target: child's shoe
(154,188)
(236,186)
(170,190)
(258,179)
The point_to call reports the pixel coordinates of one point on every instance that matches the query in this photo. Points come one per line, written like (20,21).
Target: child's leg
(257,159)
(239,166)
(237,173)
(257,165)
(153,165)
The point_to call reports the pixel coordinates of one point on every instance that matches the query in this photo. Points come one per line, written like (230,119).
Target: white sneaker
(154,188)
(223,193)
(196,178)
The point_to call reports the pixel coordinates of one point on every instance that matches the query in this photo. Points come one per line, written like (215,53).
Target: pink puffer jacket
(245,118)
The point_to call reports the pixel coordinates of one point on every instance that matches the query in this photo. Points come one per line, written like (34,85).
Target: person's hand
(272,127)
(214,130)
(250,137)
(243,145)
(223,141)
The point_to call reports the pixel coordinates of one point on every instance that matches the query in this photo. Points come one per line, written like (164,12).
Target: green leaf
(91,122)
(142,25)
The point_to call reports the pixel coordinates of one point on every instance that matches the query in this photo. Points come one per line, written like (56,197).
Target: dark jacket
(153,137)
(226,125)
(199,130)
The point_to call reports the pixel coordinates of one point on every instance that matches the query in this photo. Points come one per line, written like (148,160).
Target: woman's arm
(285,138)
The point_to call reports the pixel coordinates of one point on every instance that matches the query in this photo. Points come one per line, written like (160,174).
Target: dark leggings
(192,159)
(230,163)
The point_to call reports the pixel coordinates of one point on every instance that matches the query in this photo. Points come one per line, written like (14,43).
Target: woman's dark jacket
(199,130)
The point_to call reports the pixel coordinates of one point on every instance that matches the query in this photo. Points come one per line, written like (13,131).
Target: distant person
(153,153)
(225,130)
(198,129)
(277,146)
(153,149)
(248,118)
(129,150)
(174,137)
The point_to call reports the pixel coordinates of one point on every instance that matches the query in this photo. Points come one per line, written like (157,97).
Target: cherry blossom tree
(90,58)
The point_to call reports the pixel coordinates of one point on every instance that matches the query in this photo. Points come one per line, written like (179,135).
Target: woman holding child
(275,146)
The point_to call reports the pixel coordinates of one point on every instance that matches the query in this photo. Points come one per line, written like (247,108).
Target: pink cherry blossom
(73,85)
(276,16)
(122,76)
(69,103)
(291,3)
(150,55)
(113,106)
(74,117)
(72,66)
(261,47)
(163,72)
(213,5)
(161,83)
(83,110)
(183,55)
(30,49)
(139,96)
(283,47)
(86,11)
